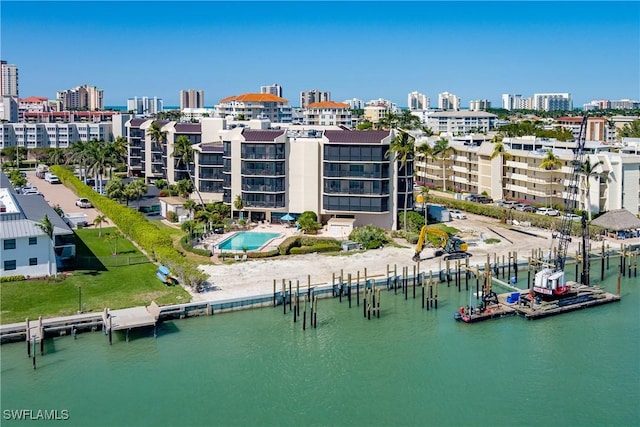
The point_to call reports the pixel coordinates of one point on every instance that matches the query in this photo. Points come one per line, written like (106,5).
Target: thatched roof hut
(617,220)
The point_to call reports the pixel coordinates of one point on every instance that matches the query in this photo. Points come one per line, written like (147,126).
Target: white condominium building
(417,101)
(144,105)
(552,102)
(458,122)
(255,106)
(479,105)
(52,135)
(448,101)
(82,98)
(327,113)
(274,89)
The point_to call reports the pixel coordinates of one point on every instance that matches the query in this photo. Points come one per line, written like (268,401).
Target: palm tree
(136,189)
(46,226)
(156,134)
(188,227)
(588,170)
(99,160)
(116,190)
(499,150)
(402,149)
(190,206)
(238,204)
(551,162)
(424,193)
(183,152)
(57,156)
(443,151)
(630,130)
(99,220)
(78,154)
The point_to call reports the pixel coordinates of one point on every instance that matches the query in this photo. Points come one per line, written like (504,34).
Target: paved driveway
(59,194)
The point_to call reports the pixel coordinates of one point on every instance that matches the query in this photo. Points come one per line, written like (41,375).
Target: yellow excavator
(453,247)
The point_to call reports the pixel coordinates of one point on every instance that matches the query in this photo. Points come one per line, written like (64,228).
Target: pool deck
(284,231)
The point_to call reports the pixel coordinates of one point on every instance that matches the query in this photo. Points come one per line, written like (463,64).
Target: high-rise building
(191,99)
(83,97)
(552,102)
(479,105)
(144,105)
(417,101)
(8,79)
(274,89)
(314,95)
(448,101)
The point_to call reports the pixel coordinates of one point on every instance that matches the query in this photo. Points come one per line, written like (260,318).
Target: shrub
(290,242)
(172,216)
(15,278)
(367,234)
(185,244)
(321,247)
(492,241)
(267,254)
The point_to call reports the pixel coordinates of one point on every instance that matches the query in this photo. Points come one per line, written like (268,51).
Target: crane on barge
(550,282)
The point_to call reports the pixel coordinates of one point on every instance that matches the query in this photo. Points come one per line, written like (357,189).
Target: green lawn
(113,287)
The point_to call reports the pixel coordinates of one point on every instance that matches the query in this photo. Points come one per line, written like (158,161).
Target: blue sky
(365,50)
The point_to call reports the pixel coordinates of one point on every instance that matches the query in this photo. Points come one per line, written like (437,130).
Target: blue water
(249,240)
(410,367)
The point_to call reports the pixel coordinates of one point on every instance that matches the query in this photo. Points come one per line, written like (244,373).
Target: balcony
(264,204)
(262,172)
(264,188)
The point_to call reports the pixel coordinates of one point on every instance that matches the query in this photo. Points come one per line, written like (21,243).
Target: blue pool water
(249,240)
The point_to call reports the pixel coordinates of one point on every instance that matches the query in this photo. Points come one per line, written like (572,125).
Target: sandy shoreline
(255,277)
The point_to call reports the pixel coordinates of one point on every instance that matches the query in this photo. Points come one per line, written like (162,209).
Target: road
(60,195)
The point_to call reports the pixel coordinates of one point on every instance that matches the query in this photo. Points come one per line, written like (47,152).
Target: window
(33,241)
(10,265)
(33,261)
(9,244)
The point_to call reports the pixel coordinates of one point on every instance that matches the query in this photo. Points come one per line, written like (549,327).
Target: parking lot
(60,195)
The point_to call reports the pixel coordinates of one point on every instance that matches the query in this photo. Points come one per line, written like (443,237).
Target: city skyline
(364,50)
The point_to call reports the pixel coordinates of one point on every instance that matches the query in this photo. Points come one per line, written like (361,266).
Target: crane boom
(551,280)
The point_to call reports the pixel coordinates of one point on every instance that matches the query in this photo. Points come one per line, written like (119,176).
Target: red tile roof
(34,99)
(328,104)
(254,97)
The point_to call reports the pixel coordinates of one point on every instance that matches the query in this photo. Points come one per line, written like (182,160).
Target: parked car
(523,207)
(510,204)
(548,211)
(31,191)
(83,203)
(456,214)
(479,199)
(572,217)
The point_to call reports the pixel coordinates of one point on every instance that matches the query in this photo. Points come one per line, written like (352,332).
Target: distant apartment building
(516,102)
(479,105)
(327,113)
(314,95)
(334,172)
(552,102)
(472,170)
(598,128)
(274,89)
(255,106)
(52,135)
(81,98)
(8,80)
(606,104)
(417,101)
(375,112)
(448,101)
(355,103)
(144,105)
(67,116)
(191,98)
(9,111)
(458,122)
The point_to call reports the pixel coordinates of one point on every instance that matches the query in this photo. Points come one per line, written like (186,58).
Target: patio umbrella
(287,217)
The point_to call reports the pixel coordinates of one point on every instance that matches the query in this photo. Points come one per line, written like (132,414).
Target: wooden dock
(127,319)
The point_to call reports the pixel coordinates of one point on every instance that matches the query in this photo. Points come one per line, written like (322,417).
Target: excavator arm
(451,245)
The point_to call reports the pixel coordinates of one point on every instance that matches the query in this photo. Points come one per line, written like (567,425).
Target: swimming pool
(249,240)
